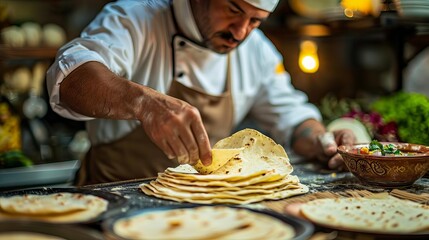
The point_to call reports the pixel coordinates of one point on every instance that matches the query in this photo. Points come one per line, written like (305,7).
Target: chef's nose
(240,28)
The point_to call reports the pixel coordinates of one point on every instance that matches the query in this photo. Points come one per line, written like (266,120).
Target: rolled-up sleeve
(69,58)
(109,40)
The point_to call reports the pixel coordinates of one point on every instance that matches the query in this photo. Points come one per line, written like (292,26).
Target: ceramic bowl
(387,171)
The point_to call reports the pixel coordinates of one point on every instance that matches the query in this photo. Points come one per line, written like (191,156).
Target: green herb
(14,158)
(411,113)
(376,146)
(384,149)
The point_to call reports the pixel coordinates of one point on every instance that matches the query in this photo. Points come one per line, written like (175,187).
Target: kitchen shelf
(17,53)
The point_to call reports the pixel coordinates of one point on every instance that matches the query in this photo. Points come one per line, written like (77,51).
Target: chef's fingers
(328,143)
(168,140)
(337,163)
(328,147)
(179,148)
(342,137)
(345,137)
(190,144)
(165,147)
(203,142)
(157,137)
(179,124)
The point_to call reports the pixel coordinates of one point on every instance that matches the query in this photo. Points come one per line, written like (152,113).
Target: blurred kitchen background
(345,54)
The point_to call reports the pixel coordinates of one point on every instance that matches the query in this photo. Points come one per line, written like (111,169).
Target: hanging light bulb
(365,7)
(308,59)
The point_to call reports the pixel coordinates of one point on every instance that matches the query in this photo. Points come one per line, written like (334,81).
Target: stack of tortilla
(247,167)
(61,207)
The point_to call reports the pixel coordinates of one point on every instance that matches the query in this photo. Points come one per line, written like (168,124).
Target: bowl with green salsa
(386,164)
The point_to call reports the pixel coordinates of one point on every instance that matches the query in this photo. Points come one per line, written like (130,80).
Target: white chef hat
(267,5)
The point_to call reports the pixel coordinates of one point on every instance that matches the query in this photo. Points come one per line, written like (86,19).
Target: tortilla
(258,169)
(27,235)
(205,222)
(387,215)
(224,180)
(262,181)
(184,172)
(158,190)
(261,187)
(220,157)
(260,153)
(44,204)
(58,207)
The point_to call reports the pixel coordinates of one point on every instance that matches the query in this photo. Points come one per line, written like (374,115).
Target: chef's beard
(208,42)
(209,35)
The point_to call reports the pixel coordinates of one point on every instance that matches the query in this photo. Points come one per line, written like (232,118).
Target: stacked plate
(413,8)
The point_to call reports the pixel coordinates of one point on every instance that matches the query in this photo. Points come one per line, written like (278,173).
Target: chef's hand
(176,128)
(329,143)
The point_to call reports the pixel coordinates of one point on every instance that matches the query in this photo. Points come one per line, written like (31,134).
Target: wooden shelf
(11,53)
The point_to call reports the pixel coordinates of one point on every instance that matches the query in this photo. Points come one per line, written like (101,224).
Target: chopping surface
(316,178)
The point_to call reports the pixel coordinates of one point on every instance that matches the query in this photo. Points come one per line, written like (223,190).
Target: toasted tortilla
(27,236)
(290,181)
(387,215)
(58,207)
(259,170)
(55,203)
(220,156)
(158,190)
(260,153)
(205,222)
(183,172)
(223,180)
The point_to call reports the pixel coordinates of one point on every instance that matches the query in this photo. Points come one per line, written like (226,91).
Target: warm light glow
(363,6)
(349,13)
(309,62)
(308,59)
(314,30)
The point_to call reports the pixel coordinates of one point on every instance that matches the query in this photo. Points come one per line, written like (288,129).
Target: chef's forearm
(304,139)
(93,90)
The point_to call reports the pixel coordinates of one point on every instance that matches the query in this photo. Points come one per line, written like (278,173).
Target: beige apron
(136,156)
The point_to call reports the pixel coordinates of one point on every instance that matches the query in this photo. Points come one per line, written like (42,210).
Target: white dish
(40,174)
(423,13)
(362,135)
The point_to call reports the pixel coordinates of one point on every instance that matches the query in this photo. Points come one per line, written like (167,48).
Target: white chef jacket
(136,40)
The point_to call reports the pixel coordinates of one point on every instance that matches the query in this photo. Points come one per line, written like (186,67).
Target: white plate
(362,135)
(40,174)
(424,13)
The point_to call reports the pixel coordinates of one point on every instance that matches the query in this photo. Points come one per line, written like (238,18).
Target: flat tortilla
(205,222)
(290,181)
(217,180)
(387,215)
(55,203)
(259,171)
(27,236)
(58,207)
(232,191)
(220,157)
(158,190)
(186,171)
(260,153)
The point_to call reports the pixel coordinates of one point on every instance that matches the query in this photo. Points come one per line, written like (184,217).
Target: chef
(159,82)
